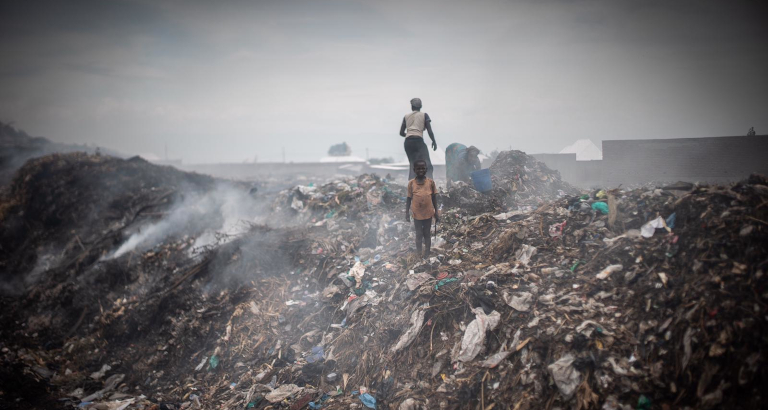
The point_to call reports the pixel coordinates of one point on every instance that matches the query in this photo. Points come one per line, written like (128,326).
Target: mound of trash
(520,182)
(522,175)
(649,298)
(16,147)
(60,207)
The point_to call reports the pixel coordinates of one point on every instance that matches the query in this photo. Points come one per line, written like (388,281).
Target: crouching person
(422,201)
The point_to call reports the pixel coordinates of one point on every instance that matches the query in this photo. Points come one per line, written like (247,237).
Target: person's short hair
(418,161)
(416,102)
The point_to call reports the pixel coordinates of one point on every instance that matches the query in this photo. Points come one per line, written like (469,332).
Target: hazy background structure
(236,81)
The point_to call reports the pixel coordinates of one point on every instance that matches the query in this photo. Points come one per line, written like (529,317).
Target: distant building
(343,159)
(585,150)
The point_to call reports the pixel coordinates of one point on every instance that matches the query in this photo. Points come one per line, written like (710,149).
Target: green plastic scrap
(255,402)
(213,361)
(364,287)
(643,403)
(330,214)
(444,282)
(600,206)
(573,268)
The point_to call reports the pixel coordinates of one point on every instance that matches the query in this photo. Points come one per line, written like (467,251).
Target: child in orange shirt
(422,194)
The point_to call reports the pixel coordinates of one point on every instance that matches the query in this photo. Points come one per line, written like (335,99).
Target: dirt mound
(660,302)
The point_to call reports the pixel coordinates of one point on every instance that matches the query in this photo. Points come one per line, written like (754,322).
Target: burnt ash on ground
(534,297)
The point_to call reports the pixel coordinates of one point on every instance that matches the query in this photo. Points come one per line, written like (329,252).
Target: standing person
(412,129)
(422,194)
(460,161)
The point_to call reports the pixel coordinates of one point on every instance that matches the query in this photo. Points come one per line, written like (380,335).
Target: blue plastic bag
(368,400)
(317,355)
(671,220)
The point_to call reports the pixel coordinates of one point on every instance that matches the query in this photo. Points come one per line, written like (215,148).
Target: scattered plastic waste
(643,403)
(567,378)
(602,207)
(98,375)
(495,359)
(556,230)
(525,253)
(214,362)
(474,337)
(445,282)
(276,305)
(417,319)
(368,400)
(281,393)
(357,272)
(650,227)
(415,280)
(608,271)
(316,355)
(520,301)
(671,219)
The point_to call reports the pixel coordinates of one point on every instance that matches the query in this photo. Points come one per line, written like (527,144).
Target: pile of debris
(520,183)
(521,175)
(66,209)
(617,300)
(16,147)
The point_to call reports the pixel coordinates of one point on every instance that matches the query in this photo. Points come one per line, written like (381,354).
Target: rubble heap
(520,182)
(65,205)
(647,298)
(520,174)
(16,147)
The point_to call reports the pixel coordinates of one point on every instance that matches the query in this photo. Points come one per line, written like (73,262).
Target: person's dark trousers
(422,234)
(415,148)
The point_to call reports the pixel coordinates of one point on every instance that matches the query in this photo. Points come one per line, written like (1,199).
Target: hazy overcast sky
(228,81)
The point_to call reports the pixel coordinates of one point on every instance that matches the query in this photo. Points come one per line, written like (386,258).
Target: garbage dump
(318,301)
(520,183)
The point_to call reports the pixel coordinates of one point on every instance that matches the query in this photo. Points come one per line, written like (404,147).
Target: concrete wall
(628,162)
(582,174)
(713,160)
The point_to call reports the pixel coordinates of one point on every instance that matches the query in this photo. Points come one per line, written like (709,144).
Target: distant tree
(379,161)
(492,156)
(751,132)
(340,150)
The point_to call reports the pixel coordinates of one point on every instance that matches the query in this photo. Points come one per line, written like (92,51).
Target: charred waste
(128,285)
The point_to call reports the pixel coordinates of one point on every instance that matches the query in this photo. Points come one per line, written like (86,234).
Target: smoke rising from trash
(335,205)
(318,284)
(215,217)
